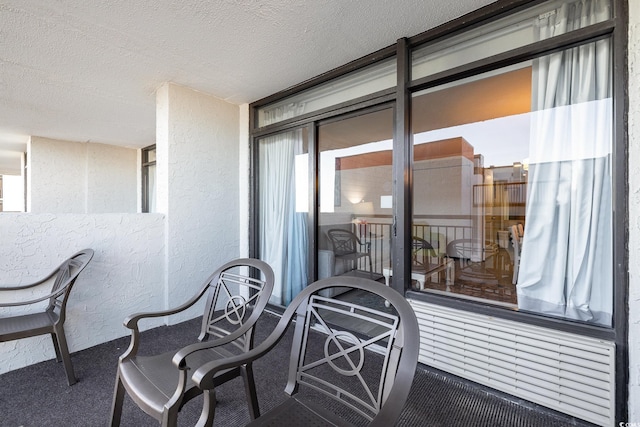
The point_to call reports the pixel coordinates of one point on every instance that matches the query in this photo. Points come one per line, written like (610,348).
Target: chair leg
(55,347)
(208,409)
(66,358)
(170,418)
(250,390)
(116,405)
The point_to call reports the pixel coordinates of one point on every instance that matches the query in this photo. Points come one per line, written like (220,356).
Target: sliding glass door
(355,194)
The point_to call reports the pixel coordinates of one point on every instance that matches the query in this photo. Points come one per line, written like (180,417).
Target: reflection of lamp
(386,202)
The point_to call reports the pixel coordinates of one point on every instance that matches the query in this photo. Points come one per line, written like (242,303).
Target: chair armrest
(179,359)
(35,300)
(131,322)
(28,285)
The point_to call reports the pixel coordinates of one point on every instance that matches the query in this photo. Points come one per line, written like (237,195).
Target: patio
(39,396)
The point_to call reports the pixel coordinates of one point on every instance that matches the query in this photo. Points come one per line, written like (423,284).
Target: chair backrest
(344,242)
(237,293)
(421,251)
(65,277)
(373,384)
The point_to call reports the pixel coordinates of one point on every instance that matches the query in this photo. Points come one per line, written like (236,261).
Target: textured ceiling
(88,71)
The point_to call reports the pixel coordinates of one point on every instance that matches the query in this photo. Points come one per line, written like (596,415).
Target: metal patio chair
(348,248)
(334,378)
(51,319)
(160,384)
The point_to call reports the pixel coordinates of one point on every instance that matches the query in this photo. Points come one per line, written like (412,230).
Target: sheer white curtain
(566,265)
(283,231)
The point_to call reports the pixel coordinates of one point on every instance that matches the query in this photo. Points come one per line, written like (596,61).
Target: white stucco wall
(198,186)
(125,275)
(76,177)
(112,179)
(634,211)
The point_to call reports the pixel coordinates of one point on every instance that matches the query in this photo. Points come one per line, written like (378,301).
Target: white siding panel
(566,372)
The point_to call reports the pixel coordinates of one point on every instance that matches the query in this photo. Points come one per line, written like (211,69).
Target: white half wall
(124,277)
(77,177)
(634,211)
(197,159)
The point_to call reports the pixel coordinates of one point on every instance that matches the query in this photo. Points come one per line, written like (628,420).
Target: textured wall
(125,275)
(143,262)
(198,186)
(56,176)
(74,177)
(634,211)
(112,179)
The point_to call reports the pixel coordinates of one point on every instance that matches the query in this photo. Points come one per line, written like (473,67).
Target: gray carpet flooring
(39,396)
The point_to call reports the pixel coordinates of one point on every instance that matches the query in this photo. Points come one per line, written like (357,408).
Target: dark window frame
(615,28)
(144,167)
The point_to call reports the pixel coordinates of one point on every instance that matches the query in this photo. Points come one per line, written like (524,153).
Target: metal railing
(437,230)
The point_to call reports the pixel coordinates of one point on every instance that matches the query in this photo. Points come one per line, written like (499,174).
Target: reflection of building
(443,178)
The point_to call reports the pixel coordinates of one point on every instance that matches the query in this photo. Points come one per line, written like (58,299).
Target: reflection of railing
(378,235)
(439,232)
(500,194)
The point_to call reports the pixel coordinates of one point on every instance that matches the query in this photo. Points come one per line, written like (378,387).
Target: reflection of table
(447,266)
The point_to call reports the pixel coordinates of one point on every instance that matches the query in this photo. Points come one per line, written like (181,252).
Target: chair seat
(27,325)
(296,411)
(154,379)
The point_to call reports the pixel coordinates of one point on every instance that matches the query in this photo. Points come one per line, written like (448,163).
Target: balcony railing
(437,230)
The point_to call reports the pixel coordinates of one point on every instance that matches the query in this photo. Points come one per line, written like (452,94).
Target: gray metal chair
(348,248)
(51,319)
(160,385)
(340,380)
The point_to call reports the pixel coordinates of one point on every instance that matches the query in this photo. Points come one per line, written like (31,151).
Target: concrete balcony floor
(38,395)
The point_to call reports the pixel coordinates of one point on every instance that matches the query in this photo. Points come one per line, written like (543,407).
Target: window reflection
(512,185)
(354,230)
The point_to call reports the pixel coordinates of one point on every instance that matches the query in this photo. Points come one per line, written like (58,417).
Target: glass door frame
(314,177)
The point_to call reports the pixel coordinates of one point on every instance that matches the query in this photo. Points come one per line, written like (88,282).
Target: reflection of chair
(334,373)
(160,384)
(421,253)
(348,248)
(515,241)
(470,256)
(51,320)
(425,262)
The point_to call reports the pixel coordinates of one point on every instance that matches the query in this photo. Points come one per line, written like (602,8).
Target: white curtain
(566,267)
(283,231)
